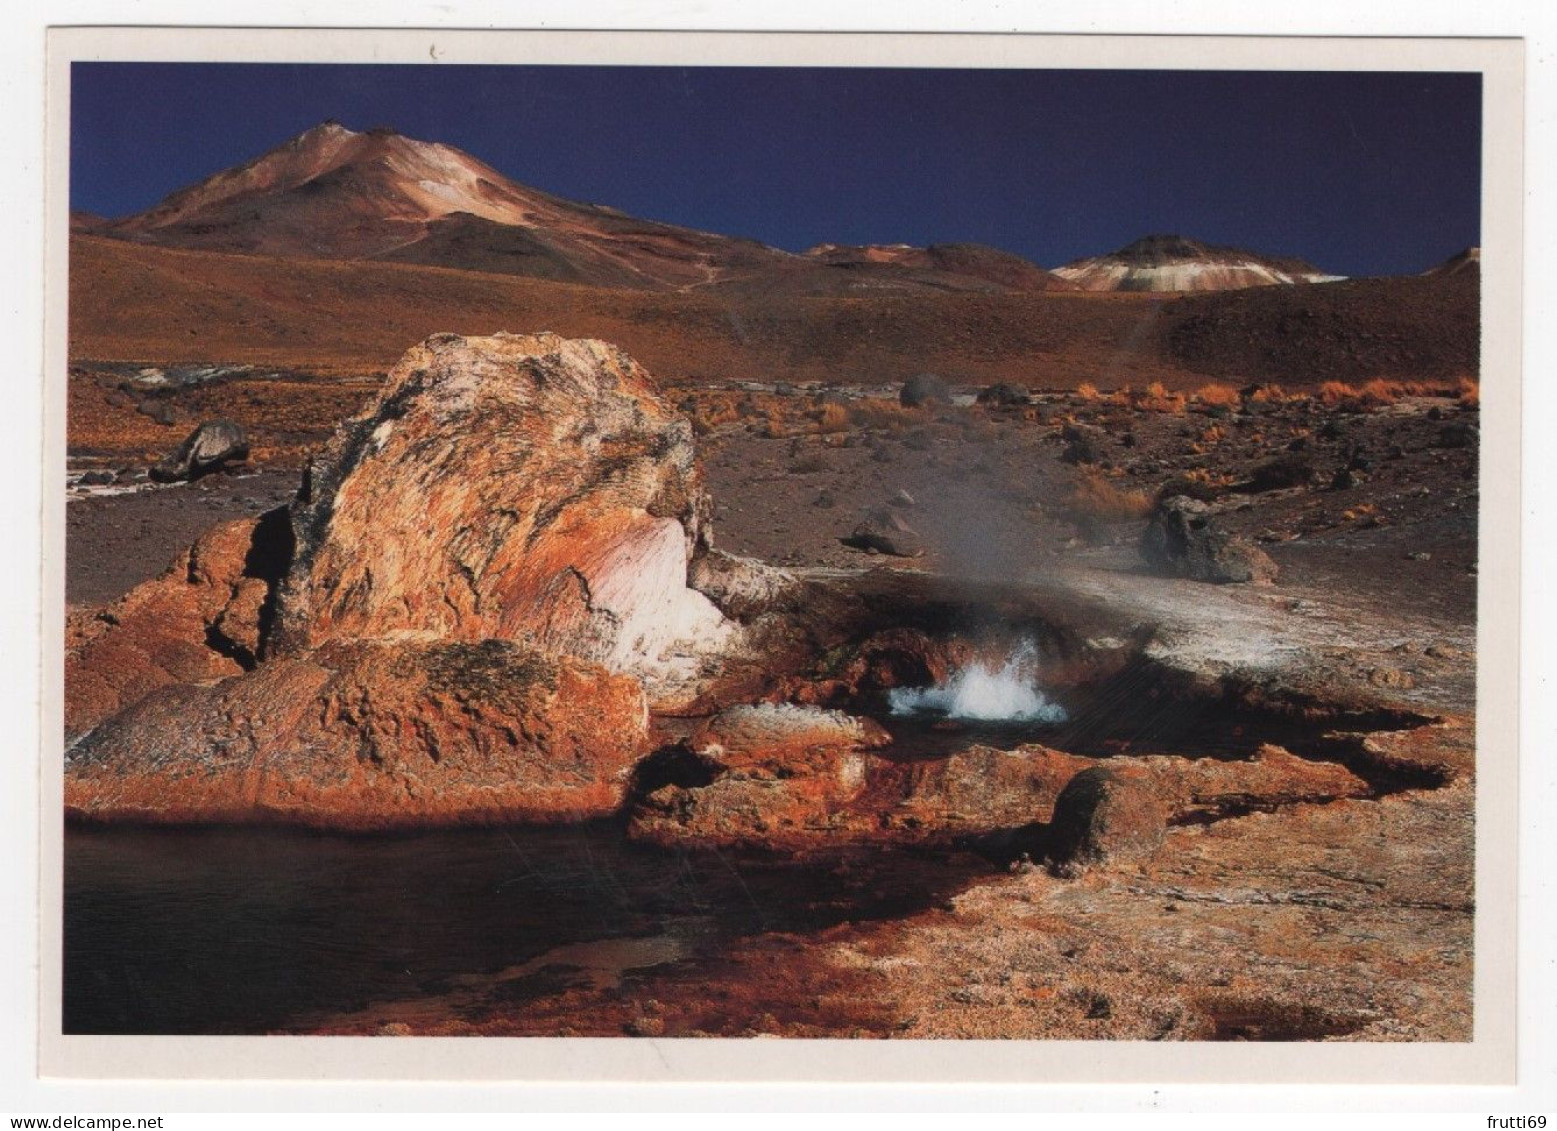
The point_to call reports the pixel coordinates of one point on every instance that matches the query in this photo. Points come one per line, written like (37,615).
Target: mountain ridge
(332,192)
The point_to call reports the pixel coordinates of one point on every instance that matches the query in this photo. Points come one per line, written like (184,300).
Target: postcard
(781,557)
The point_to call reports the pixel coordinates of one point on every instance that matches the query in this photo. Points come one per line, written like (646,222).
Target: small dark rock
(1458,434)
(922,388)
(1084,444)
(160,411)
(1002,395)
(1282,472)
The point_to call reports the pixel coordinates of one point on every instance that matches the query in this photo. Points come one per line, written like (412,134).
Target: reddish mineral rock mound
(512,487)
(822,784)
(372,735)
(465,614)
(199,621)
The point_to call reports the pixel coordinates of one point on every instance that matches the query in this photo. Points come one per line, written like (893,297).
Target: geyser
(984,693)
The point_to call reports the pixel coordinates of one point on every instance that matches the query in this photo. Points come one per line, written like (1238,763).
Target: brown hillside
(141,303)
(134,302)
(1363,328)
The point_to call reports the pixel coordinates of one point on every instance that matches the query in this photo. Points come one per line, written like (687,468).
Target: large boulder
(371,736)
(212,445)
(1184,540)
(517,487)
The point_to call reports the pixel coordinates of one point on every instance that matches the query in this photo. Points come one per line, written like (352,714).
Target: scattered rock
(1458,434)
(1392,678)
(886,532)
(1002,395)
(1084,444)
(1106,814)
(1183,540)
(1282,472)
(159,411)
(210,446)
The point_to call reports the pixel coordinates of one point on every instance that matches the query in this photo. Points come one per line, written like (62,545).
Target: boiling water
(982,692)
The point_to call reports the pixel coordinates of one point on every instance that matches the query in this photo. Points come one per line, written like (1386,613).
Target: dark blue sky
(1362,174)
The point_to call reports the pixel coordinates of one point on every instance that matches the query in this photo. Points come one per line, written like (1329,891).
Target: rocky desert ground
(1039,663)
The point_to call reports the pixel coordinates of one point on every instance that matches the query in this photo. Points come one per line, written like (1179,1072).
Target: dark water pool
(254,930)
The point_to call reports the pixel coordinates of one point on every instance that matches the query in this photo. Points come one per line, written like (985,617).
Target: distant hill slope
(141,303)
(334,193)
(1173,263)
(1423,326)
(875,269)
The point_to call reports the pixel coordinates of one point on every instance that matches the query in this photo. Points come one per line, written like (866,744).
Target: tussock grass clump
(1097,497)
(1158,399)
(1087,391)
(1218,395)
(1379,393)
(1332,394)
(1270,394)
(880,414)
(833,418)
(1197,483)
